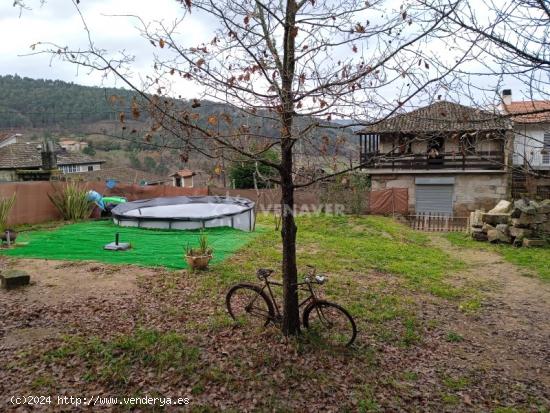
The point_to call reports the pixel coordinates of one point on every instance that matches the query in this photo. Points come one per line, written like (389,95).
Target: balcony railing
(479,160)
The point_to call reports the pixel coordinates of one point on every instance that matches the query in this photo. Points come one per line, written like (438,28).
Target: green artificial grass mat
(84,241)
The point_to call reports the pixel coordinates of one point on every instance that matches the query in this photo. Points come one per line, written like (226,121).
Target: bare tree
(510,37)
(295,65)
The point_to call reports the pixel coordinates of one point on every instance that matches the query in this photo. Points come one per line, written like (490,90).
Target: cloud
(58,22)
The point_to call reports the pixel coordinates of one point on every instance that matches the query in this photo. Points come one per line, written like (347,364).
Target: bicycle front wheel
(330,322)
(248,303)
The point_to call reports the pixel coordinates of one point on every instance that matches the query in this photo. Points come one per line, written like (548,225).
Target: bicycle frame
(311,298)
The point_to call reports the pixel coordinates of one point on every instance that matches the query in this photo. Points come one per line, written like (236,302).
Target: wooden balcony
(469,161)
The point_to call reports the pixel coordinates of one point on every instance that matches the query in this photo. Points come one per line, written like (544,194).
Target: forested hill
(39,103)
(26,102)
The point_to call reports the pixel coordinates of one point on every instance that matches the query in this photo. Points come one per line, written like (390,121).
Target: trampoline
(186,212)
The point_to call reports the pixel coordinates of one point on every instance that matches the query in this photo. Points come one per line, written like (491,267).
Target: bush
(6,205)
(89,150)
(72,201)
(242,172)
(351,190)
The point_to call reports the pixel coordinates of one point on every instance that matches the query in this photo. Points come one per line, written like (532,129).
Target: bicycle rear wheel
(330,322)
(250,304)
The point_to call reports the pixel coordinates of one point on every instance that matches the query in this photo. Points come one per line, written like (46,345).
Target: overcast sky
(57,21)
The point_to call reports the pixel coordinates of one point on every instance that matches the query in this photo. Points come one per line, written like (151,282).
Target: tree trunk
(291,313)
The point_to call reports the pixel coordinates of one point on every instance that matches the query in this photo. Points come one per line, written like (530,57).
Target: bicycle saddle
(264,272)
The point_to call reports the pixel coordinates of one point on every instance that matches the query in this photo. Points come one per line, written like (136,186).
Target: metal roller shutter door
(434,198)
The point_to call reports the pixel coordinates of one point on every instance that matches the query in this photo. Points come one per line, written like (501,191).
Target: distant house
(451,158)
(26,161)
(7,138)
(183,178)
(72,145)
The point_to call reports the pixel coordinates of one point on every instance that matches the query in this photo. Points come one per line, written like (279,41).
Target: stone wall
(471,191)
(7,175)
(479,191)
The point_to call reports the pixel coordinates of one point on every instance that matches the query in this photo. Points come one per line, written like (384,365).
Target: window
(435,149)
(546,148)
(404,144)
(70,168)
(90,167)
(468,143)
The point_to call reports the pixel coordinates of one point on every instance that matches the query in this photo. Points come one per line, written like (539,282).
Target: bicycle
(328,320)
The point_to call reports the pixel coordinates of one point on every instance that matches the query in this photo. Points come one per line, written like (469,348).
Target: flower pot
(198,262)
(4,235)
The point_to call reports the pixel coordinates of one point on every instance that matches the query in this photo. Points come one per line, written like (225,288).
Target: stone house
(531,121)
(451,158)
(26,161)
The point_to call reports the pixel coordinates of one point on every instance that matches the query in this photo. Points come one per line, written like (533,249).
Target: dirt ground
(513,333)
(501,355)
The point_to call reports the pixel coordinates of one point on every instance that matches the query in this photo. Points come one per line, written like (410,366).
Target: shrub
(350,190)
(6,205)
(202,249)
(72,201)
(243,172)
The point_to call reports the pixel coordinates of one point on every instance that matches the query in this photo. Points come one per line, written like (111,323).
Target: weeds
(6,205)
(72,201)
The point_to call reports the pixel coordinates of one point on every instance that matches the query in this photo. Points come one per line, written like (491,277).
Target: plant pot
(4,236)
(198,262)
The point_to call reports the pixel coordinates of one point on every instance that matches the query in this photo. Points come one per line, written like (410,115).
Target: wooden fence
(434,222)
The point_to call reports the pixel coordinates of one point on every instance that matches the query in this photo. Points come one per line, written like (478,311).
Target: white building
(531,129)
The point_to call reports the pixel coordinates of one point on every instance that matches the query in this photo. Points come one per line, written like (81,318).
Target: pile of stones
(521,223)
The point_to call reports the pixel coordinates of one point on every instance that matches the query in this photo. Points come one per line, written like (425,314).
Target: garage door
(434,198)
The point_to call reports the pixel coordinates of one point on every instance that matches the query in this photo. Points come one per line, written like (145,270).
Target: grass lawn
(172,336)
(536,259)
(150,248)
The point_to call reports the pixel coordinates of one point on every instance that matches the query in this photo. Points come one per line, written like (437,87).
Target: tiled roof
(534,111)
(123,175)
(27,155)
(184,173)
(441,116)
(5,136)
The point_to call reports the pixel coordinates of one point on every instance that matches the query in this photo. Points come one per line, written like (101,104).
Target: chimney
(49,158)
(507,97)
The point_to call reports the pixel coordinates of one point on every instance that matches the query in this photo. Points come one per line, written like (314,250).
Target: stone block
(487,227)
(504,228)
(544,207)
(494,219)
(531,242)
(14,278)
(525,220)
(546,227)
(540,218)
(479,236)
(520,232)
(494,235)
(525,206)
(503,207)
(476,218)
